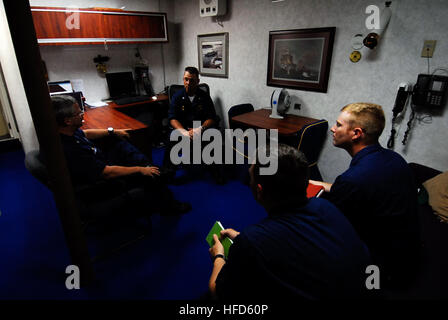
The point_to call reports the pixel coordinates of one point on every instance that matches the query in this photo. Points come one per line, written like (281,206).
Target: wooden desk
(110,116)
(259,119)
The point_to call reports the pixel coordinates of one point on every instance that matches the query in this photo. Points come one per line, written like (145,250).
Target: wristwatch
(219,256)
(110,131)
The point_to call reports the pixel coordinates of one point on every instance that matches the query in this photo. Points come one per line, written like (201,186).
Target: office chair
(310,140)
(98,201)
(236,111)
(204,87)
(240,170)
(172,89)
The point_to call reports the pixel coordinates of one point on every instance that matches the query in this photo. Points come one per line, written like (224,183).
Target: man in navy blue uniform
(188,105)
(304,249)
(88,163)
(376,193)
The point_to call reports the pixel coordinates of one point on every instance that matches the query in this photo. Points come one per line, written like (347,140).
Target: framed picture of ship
(300,59)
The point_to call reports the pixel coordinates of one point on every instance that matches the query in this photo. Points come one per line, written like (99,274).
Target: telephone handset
(400,100)
(400,103)
(430,91)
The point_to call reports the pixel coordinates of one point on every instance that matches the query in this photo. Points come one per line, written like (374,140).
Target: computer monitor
(58,87)
(78,97)
(121,84)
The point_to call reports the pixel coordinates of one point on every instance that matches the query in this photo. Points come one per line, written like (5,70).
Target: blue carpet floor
(171,263)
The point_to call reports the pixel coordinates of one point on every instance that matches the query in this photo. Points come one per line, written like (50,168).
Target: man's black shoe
(176,208)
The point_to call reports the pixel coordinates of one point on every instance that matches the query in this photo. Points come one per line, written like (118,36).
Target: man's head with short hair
(65,108)
(359,124)
(191,80)
(192,70)
(368,116)
(288,185)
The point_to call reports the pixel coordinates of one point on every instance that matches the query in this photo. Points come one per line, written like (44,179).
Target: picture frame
(300,59)
(213,54)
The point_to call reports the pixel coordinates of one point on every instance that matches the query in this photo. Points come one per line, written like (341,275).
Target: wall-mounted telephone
(430,91)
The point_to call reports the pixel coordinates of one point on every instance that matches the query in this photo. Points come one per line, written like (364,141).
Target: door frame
(6,109)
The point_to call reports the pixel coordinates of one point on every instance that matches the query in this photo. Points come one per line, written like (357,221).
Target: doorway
(8,127)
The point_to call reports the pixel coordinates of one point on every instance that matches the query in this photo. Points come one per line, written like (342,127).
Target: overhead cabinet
(61,26)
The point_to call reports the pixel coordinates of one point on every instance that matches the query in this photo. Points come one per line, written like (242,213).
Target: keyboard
(128,100)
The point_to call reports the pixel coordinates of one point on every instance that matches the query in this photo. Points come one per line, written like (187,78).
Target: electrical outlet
(428,48)
(297,106)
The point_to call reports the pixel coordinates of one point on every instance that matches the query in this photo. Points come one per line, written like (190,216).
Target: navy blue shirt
(377,194)
(185,111)
(309,252)
(86,162)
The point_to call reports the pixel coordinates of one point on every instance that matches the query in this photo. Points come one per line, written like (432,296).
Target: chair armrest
(422,173)
(101,189)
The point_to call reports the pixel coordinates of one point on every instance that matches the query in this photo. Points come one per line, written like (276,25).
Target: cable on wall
(439,69)
(219,22)
(163,58)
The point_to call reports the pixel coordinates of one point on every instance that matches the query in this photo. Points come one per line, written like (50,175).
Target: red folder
(314,191)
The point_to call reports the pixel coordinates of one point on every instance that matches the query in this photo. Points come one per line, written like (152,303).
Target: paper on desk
(78,85)
(96,104)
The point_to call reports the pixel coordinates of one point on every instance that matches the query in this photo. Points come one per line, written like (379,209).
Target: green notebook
(226,242)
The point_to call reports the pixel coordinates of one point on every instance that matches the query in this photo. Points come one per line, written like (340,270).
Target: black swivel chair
(237,110)
(172,89)
(241,170)
(311,139)
(99,201)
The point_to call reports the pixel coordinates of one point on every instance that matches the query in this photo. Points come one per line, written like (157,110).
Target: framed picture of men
(300,59)
(213,54)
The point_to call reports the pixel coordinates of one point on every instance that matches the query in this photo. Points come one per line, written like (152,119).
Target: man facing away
(188,105)
(87,163)
(304,249)
(376,193)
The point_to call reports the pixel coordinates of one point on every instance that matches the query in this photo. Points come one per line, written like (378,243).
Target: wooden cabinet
(61,26)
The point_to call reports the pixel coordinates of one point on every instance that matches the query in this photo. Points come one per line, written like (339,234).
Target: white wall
(76,62)
(375,78)
(3,128)
(14,85)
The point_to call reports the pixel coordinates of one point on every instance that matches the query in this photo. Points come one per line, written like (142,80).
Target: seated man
(304,249)
(188,105)
(376,193)
(88,163)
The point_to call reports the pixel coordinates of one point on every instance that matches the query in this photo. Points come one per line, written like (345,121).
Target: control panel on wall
(211,8)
